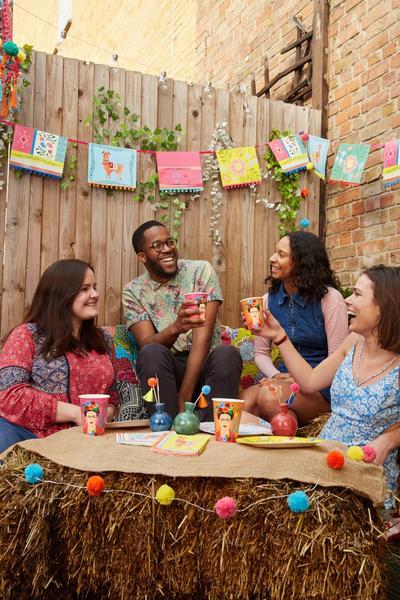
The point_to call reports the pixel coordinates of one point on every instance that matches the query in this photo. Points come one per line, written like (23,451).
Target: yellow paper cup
(252,309)
(197,300)
(94,413)
(227,415)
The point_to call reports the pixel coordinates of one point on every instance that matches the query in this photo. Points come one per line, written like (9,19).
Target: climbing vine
(287,185)
(118,125)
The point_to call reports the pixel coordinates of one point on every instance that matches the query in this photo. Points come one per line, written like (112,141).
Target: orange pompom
(152,382)
(95,485)
(335,459)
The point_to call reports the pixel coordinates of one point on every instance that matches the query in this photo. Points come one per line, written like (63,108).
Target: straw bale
(57,542)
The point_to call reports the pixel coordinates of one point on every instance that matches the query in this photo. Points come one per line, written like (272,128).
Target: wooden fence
(39,223)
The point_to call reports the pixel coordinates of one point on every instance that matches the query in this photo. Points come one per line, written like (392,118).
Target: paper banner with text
(238,167)
(318,153)
(349,163)
(391,163)
(290,152)
(38,152)
(111,166)
(179,172)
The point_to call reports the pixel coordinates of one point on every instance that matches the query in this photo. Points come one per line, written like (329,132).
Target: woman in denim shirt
(303,296)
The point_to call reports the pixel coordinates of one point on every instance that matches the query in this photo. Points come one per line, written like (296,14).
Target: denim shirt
(303,321)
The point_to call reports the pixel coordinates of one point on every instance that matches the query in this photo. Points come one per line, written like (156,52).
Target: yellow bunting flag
(149,397)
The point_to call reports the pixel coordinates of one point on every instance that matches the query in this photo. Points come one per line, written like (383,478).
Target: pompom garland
(335,459)
(165,495)
(298,502)
(225,507)
(355,453)
(369,454)
(304,223)
(33,473)
(95,485)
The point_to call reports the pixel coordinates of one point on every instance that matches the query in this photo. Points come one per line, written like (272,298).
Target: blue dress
(361,414)
(303,321)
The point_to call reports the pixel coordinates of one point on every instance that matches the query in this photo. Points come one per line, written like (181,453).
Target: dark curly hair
(311,269)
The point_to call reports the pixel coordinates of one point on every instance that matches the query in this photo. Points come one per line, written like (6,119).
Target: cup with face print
(227,415)
(94,413)
(197,300)
(252,309)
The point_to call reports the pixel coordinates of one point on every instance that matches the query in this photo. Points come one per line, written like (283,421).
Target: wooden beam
(290,69)
(287,97)
(298,42)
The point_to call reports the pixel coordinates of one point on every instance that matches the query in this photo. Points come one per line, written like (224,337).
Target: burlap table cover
(71,448)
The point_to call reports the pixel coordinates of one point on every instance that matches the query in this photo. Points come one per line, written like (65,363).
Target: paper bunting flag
(149,396)
(238,167)
(179,172)
(391,163)
(290,152)
(318,152)
(38,152)
(349,163)
(110,166)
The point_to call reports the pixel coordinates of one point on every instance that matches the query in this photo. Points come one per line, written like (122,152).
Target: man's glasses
(158,245)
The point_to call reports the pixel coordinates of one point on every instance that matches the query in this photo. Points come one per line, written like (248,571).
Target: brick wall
(363,224)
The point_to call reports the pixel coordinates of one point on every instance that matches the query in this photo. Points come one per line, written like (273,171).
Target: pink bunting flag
(179,172)
(391,163)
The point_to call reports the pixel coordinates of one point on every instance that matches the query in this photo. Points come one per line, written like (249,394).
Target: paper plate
(278,441)
(126,424)
(244,429)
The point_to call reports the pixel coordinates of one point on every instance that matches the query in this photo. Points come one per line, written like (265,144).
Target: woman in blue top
(303,296)
(363,372)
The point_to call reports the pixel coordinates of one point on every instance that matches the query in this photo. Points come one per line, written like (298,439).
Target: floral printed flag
(318,152)
(111,166)
(38,152)
(179,172)
(290,152)
(391,163)
(349,163)
(238,167)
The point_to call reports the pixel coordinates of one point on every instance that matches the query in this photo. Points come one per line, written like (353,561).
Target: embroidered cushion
(244,341)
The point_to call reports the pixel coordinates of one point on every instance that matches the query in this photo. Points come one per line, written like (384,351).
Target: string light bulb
(208,89)
(246,109)
(162,80)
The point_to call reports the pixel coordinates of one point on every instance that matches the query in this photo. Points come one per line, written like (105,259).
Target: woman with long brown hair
(55,355)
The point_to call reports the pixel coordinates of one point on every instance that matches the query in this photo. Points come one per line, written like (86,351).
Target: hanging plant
(116,125)
(288,188)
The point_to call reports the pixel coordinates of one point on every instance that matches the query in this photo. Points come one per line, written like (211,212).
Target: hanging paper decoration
(318,152)
(290,152)
(179,172)
(349,163)
(38,152)
(238,167)
(11,57)
(111,166)
(391,163)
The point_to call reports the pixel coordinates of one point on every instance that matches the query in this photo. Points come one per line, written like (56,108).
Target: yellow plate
(278,441)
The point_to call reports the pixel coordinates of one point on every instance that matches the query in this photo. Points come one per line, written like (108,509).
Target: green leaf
(178,127)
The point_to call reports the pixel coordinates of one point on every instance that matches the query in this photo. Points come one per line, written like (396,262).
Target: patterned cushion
(127,384)
(244,341)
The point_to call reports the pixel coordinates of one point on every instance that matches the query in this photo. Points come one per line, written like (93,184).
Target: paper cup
(227,415)
(252,309)
(197,300)
(94,413)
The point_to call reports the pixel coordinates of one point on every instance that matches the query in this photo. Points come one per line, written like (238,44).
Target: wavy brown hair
(386,282)
(51,311)
(311,269)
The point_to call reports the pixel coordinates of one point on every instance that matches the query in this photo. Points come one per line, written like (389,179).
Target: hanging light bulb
(113,62)
(162,80)
(208,89)
(246,109)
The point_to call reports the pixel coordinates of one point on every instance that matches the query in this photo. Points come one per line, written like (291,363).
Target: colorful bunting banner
(290,152)
(179,172)
(349,163)
(111,166)
(38,152)
(238,167)
(318,152)
(391,163)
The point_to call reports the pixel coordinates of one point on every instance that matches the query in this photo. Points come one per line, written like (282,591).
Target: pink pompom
(294,388)
(305,137)
(225,507)
(369,454)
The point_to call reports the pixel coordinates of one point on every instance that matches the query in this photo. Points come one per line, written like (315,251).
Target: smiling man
(175,342)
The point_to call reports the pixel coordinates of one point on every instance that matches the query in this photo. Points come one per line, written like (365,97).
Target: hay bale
(57,542)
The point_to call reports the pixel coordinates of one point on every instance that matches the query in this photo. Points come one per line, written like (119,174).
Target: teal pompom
(304,223)
(206,389)
(33,473)
(298,502)
(10,48)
